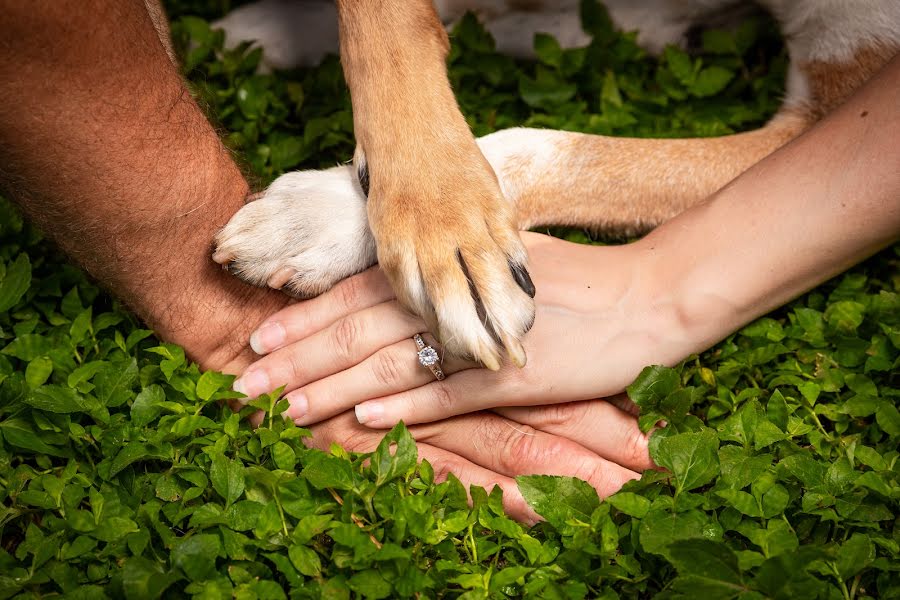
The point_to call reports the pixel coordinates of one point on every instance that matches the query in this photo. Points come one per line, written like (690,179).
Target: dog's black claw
(520,274)
(480,310)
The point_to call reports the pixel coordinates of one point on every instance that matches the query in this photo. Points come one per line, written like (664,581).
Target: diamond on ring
(428,356)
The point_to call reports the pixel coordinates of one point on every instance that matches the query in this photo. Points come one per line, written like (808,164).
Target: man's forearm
(800,216)
(103,146)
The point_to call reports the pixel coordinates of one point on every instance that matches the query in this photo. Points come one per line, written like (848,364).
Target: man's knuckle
(295,367)
(444,397)
(354,440)
(349,292)
(519,446)
(559,414)
(595,472)
(637,449)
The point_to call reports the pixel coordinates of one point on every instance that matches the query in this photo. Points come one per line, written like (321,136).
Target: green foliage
(121,475)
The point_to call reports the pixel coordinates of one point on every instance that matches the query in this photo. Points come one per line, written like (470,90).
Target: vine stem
(359,522)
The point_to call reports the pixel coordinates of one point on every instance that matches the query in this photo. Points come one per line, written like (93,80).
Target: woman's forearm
(805,213)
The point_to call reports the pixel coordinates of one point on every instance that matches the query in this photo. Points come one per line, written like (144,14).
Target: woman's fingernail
(299,405)
(368,412)
(267,338)
(252,383)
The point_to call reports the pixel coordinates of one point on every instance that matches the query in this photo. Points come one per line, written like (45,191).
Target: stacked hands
(348,365)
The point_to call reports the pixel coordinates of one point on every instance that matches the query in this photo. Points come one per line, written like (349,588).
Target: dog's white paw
(308,231)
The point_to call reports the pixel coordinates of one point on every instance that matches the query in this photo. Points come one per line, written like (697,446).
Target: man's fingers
(344,343)
(391,370)
(300,320)
(510,448)
(595,424)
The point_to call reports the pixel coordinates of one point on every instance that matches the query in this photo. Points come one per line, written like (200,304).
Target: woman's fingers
(595,424)
(390,370)
(300,320)
(339,346)
(464,392)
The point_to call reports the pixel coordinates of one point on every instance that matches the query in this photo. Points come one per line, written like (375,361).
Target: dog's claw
(222,258)
(280,277)
(522,277)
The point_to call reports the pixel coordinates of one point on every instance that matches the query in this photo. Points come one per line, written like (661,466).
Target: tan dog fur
(406,120)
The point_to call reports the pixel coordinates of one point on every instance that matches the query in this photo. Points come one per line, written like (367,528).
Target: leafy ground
(121,476)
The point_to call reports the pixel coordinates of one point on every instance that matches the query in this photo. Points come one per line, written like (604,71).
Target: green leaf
(387,466)
(211,382)
(691,457)
(114,383)
(547,49)
(28,347)
(659,528)
(630,503)
(559,499)
(147,406)
(38,371)
(705,568)
(19,433)
(855,555)
(196,555)
(324,471)
(56,399)
(888,418)
(284,456)
(680,65)
(710,81)
(845,316)
(15,282)
(132,452)
(306,560)
(227,477)
(144,579)
(652,386)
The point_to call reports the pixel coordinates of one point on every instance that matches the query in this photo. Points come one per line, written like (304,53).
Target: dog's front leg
(445,236)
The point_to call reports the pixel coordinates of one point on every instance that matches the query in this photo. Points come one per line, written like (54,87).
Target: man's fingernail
(267,338)
(368,412)
(299,405)
(252,383)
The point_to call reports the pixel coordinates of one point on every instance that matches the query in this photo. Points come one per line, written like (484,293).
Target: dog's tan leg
(628,186)
(445,237)
(620,185)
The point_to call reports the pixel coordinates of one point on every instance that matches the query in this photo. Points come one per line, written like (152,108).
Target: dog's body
(436,218)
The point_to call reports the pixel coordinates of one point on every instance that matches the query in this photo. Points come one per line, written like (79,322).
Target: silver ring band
(428,357)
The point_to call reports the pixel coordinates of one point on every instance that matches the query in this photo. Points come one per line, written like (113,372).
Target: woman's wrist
(686,308)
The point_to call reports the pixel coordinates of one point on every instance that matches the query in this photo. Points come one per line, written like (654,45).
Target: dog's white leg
(292,33)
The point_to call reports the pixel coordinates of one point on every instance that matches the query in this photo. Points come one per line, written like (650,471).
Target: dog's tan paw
(307,231)
(449,245)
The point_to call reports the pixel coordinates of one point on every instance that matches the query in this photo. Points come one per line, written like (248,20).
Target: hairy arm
(103,147)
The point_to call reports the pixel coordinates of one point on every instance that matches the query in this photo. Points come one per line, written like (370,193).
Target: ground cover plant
(122,476)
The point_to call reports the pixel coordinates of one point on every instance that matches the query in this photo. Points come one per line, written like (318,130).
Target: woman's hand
(599,321)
